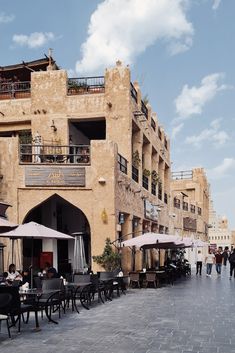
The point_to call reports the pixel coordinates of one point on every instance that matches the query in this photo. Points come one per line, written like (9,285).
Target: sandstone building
(81,155)
(219,232)
(189,216)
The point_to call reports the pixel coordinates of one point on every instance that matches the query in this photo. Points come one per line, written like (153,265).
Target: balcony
(15,90)
(54,154)
(85,85)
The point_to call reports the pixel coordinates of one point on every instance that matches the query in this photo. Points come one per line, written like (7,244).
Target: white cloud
(216,4)
(121,30)
(223,170)
(6,18)
(34,40)
(176,130)
(192,99)
(214,134)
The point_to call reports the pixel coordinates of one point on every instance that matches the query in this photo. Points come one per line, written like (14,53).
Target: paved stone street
(194,315)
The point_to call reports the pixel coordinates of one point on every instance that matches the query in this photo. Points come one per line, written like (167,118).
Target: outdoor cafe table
(35,295)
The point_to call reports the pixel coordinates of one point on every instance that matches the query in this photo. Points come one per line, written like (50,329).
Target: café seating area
(52,299)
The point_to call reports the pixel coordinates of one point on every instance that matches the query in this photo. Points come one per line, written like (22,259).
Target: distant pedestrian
(199,262)
(225,255)
(218,261)
(232,264)
(210,260)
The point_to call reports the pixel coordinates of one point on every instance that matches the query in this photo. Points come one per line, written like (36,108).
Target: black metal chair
(16,308)
(5,299)
(54,299)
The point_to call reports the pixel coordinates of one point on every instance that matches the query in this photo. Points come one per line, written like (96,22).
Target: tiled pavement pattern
(194,315)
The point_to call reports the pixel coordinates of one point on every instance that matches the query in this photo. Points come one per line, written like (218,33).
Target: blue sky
(180,51)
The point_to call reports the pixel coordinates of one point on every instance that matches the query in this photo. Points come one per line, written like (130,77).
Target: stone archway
(59,214)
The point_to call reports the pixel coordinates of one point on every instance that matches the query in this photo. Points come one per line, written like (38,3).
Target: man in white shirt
(210,260)
(199,262)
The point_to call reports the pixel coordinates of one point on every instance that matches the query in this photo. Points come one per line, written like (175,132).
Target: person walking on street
(199,262)
(232,264)
(210,260)
(218,261)
(225,255)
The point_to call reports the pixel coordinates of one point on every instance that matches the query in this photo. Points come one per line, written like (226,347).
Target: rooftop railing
(14,90)
(57,154)
(86,85)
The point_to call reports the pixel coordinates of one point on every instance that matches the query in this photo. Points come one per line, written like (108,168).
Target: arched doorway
(59,214)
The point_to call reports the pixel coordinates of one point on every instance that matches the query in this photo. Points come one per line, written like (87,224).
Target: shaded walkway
(195,315)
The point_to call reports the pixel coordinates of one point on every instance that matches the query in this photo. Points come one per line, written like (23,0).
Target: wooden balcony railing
(86,85)
(14,90)
(57,154)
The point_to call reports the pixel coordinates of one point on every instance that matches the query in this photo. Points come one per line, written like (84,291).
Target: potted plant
(136,159)
(155,177)
(146,173)
(109,260)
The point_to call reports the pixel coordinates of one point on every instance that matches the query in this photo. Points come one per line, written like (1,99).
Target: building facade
(81,155)
(219,233)
(189,216)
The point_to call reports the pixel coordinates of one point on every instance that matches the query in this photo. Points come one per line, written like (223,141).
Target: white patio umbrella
(79,262)
(34,230)
(153,240)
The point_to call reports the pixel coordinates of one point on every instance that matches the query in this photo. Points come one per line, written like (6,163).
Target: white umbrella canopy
(152,240)
(35,230)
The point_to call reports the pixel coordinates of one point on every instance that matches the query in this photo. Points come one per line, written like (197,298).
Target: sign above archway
(54,176)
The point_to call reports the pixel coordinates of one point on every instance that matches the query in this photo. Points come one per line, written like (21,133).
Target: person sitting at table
(52,273)
(26,277)
(12,274)
(46,268)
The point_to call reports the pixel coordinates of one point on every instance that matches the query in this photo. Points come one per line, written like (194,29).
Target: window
(185,206)
(199,211)
(135,174)
(165,197)
(176,203)
(145,182)
(192,208)
(153,189)
(160,191)
(122,162)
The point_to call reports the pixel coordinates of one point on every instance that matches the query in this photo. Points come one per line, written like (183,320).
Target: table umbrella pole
(12,250)
(31,269)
